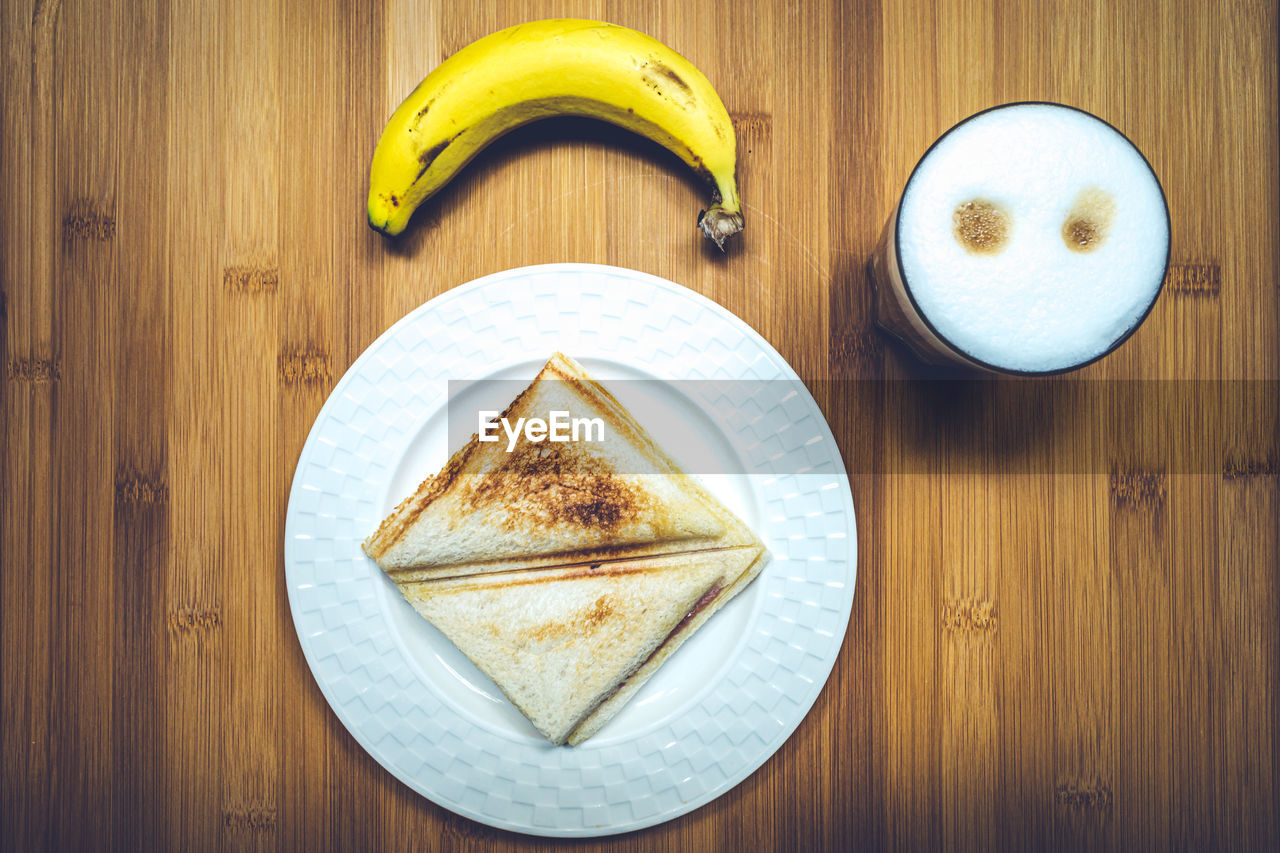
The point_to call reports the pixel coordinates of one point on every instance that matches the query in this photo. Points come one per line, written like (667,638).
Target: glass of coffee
(1031,238)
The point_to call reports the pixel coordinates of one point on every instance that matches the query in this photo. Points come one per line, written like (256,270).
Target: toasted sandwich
(568,573)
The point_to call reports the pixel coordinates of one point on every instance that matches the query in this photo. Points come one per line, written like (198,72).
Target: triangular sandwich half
(569,645)
(548,504)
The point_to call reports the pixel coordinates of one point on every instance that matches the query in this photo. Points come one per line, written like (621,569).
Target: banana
(553,68)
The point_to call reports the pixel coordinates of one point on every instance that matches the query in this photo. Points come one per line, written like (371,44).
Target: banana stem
(719,224)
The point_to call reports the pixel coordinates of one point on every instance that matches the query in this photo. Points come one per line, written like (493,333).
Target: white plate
(719,707)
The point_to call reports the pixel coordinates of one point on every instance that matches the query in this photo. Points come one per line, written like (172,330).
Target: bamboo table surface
(1076,650)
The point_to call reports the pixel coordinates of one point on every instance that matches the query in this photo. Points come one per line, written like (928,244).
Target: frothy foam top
(1082,251)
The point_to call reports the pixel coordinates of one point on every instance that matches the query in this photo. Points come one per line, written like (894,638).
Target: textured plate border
(767,686)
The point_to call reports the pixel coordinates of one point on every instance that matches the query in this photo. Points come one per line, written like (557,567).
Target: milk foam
(1036,304)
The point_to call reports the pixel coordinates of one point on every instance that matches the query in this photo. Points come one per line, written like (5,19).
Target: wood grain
(1065,630)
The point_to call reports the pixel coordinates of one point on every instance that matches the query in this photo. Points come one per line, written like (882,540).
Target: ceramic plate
(733,692)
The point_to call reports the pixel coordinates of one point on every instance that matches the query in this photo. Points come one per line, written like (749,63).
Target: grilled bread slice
(551,503)
(569,645)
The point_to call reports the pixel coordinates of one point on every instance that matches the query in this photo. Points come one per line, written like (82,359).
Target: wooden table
(1079,650)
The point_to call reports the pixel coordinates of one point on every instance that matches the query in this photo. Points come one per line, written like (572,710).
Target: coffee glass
(1032,238)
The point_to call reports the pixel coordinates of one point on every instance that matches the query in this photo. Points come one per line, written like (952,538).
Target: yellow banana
(550,68)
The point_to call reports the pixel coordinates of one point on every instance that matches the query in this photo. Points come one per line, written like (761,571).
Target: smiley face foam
(1033,237)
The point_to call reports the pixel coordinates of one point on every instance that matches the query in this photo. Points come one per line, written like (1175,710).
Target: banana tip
(718,224)
(383,227)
